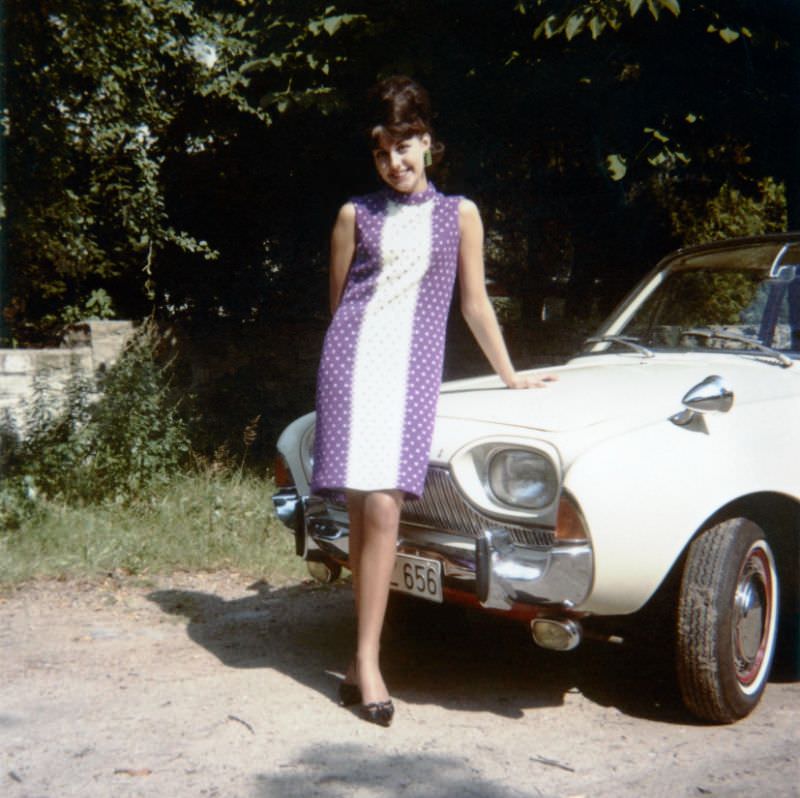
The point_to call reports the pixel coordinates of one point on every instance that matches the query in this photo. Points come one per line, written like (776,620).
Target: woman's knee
(382,510)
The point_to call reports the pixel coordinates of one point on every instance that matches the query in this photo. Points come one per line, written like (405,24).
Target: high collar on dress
(416,198)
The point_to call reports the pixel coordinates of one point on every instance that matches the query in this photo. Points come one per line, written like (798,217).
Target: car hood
(610,388)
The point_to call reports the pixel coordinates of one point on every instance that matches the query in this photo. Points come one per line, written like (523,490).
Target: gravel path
(207,685)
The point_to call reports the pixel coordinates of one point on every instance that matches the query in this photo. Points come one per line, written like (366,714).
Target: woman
(394,258)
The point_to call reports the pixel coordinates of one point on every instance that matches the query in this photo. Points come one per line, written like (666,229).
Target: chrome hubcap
(751,615)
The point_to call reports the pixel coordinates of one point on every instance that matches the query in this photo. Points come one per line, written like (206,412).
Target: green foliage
(729,213)
(101,99)
(234,124)
(56,450)
(703,298)
(138,435)
(90,443)
(572,17)
(711,298)
(102,481)
(17,494)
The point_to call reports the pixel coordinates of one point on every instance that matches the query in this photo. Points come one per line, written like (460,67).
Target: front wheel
(727,620)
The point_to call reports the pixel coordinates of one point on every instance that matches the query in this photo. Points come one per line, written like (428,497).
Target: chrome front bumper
(492,567)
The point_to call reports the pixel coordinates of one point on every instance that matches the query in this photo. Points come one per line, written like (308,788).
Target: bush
(138,433)
(103,440)
(102,482)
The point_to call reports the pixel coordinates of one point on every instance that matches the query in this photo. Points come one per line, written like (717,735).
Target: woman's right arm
(343,248)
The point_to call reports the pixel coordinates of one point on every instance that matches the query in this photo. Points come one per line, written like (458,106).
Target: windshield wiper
(623,340)
(701,332)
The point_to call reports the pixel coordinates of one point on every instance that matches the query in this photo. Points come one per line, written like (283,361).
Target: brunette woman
(394,257)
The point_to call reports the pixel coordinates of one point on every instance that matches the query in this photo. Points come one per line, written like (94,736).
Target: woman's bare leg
(377,516)
(355,511)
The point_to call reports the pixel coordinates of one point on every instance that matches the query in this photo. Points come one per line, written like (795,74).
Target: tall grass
(200,520)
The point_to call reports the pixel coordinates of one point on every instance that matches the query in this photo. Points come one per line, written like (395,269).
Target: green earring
(428,158)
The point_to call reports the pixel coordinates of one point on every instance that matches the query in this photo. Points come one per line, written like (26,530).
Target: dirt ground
(209,685)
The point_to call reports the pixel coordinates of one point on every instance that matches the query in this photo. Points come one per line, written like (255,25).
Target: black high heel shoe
(380,712)
(349,694)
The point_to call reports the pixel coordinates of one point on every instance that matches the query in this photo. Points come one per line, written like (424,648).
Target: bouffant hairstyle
(399,107)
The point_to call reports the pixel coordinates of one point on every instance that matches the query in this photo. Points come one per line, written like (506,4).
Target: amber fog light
(324,571)
(555,634)
(570,526)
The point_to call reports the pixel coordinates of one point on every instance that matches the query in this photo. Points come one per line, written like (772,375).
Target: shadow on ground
(432,654)
(345,769)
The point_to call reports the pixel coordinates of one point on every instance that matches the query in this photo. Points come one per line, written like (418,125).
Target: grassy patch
(197,521)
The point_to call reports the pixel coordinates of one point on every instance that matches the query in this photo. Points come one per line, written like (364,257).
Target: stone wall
(87,348)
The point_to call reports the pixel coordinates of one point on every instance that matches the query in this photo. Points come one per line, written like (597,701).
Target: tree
(101,99)
(692,99)
(187,157)
(753,45)
(571,17)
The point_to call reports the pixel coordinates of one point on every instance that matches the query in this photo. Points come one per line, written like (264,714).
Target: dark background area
(141,182)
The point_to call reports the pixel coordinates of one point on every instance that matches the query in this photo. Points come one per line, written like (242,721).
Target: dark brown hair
(399,107)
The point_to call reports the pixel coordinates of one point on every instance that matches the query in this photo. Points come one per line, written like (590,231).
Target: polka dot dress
(381,364)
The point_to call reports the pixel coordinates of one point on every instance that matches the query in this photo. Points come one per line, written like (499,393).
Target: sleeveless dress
(381,365)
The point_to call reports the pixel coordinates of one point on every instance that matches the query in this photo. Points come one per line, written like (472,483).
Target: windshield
(745,293)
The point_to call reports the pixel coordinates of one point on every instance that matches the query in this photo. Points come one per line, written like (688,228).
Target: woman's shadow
(431,653)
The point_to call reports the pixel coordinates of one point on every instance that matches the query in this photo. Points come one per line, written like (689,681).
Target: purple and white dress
(381,365)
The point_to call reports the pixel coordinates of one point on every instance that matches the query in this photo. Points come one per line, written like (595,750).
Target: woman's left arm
(476,306)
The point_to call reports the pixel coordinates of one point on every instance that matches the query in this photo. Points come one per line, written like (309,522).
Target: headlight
(522,478)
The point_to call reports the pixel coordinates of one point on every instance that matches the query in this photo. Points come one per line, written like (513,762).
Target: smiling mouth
(402,179)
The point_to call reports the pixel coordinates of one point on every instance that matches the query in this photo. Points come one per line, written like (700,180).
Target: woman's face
(401,162)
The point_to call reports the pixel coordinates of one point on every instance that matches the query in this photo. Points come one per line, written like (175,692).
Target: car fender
(645,494)
(290,446)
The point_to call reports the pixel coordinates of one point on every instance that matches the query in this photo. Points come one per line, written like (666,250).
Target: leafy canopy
(102,97)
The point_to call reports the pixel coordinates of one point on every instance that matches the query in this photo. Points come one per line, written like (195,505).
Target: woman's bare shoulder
(347,213)
(468,213)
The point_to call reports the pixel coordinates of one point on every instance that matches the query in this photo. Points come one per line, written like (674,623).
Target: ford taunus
(663,465)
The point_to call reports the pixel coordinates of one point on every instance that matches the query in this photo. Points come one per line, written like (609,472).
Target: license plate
(418,576)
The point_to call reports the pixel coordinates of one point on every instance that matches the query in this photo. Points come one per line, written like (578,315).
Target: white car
(663,467)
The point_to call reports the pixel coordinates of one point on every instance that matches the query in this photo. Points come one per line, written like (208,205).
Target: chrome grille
(442,507)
